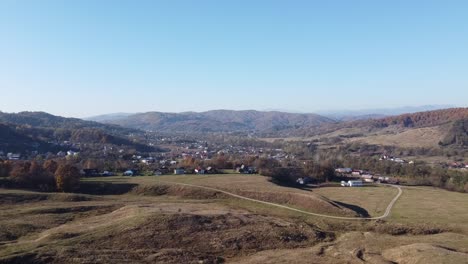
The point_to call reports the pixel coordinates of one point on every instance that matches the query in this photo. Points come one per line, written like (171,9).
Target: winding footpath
(387,211)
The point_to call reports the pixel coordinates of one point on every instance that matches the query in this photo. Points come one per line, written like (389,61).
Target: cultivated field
(152,219)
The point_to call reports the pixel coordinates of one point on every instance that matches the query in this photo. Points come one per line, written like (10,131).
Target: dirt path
(387,211)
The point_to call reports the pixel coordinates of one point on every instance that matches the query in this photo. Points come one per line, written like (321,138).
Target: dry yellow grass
(129,228)
(431,205)
(374,199)
(419,137)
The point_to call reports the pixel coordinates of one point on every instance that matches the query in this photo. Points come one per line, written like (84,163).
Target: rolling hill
(37,130)
(447,127)
(13,140)
(221,121)
(46,120)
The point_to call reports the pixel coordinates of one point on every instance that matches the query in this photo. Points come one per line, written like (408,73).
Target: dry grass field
(151,220)
(419,137)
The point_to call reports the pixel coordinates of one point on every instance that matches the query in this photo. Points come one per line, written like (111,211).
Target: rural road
(387,210)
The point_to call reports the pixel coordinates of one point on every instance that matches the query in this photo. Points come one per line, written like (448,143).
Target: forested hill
(221,121)
(45,120)
(438,118)
(457,135)
(13,140)
(42,131)
(421,119)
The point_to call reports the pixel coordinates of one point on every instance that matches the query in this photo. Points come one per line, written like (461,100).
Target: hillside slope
(45,120)
(432,129)
(221,121)
(42,131)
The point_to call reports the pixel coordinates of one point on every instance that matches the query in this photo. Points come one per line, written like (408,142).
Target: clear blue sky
(81,58)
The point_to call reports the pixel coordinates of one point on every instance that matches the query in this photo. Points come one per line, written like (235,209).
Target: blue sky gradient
(82,58)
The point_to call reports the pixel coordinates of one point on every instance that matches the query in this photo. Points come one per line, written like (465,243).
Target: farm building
(357,183)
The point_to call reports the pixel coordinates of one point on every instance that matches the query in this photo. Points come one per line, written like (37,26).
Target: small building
(344,170)
(303,180)
(179,171)
(367,177)
(355,183)
(149,160)
(13,156)
(72,153)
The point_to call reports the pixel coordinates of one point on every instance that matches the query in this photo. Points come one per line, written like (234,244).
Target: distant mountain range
(39,130)
(348,115)
(218,121)
(337,115)
(281,124)
(108,117)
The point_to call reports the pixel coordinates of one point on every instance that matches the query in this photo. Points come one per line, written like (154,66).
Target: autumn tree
(67,178)
(39,177)
(50,166)
(20,173)
(5,168)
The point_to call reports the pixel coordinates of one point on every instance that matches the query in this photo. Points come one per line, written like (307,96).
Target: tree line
(47,176)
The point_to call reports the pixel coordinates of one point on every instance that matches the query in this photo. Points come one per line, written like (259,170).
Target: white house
(13,156)
(357,183)
(72,153)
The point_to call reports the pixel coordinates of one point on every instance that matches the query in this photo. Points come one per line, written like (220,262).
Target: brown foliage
(67,178)
(50,166)
(20,173)
(5,168)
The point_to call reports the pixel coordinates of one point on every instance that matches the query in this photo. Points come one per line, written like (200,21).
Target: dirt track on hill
(387,211)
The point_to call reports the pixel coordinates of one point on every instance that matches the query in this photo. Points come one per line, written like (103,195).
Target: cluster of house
(182,147)
(177,171)
(10,156)
(364,176)
(69,153)
(394,159)
(198,170)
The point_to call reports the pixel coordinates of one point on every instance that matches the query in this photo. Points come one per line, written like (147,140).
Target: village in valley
(240,132)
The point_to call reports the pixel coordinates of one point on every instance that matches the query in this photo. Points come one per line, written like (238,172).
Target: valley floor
(150,219)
